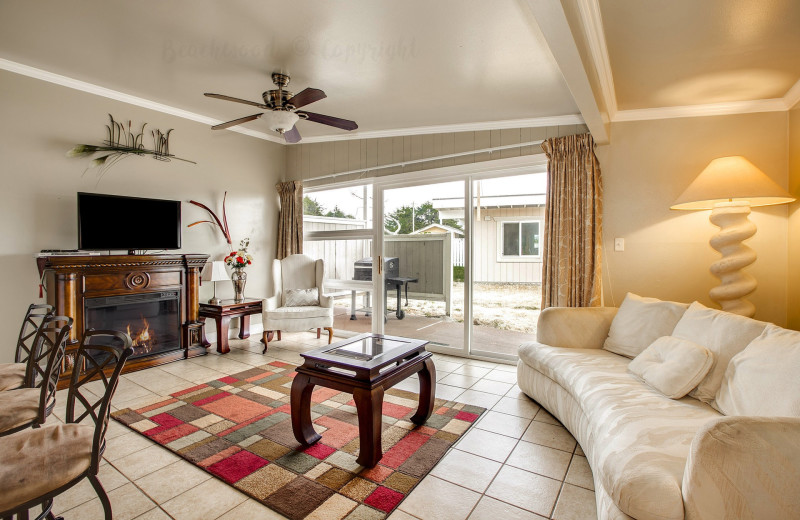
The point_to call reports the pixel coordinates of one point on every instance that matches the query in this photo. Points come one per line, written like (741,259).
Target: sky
(350,200)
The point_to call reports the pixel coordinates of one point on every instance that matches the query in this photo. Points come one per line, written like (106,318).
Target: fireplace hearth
(152,320)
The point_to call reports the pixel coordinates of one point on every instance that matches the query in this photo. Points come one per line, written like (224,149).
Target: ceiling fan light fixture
(281,121)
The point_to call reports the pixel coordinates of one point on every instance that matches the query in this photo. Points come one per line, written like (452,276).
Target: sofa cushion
(641,437)
(724,334)
(763,378)
(639,322)
(672,366)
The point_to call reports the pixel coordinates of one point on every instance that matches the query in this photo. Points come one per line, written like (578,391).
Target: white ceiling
(701,52)
(385,64)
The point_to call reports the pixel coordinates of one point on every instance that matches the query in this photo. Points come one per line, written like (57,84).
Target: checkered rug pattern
(238,428)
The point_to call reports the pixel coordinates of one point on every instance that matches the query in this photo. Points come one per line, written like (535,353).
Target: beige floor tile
(206,501)
(491,387)
(127,502)
(579,451)
(481,363)
(580,473)
(459,380)
(83,491)
(466,469)
(525,490)
(401,515)
(472,370)
(575,503)
(251,510)
(446,366)
(154,514)
(502,375)
(486,444)
(124,445)
(490,509)
(478,398)
(447,392)
(516,393)
(452,502)
(504,424)
(549,435)
(116,429)
(545,417)
(170,481)
(539,459)
(526,408)
(144,462)
(507,368)
(139,402)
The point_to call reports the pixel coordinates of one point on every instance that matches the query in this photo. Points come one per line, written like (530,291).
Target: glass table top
(367,349)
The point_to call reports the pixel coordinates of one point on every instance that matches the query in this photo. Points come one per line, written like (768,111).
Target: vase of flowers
(238,260)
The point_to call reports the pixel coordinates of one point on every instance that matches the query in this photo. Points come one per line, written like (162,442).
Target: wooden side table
(222,315)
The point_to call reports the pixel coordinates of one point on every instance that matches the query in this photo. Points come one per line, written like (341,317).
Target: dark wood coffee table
(222,315)
(364,365)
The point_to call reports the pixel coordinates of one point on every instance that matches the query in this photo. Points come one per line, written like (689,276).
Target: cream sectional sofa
(659,458)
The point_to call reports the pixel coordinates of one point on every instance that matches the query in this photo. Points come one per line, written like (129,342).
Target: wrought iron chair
(28,407)
(13,375)
(38,464)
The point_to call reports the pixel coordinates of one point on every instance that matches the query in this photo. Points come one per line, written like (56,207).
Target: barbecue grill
(363,268)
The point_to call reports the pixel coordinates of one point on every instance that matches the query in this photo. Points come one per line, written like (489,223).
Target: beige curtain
(290,219)
(571,274)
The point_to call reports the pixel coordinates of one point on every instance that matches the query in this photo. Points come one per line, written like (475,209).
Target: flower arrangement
(240,258)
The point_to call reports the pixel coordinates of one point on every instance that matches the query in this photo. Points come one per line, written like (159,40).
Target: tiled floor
(516,463)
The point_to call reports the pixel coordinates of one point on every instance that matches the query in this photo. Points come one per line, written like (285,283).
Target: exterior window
(521,239)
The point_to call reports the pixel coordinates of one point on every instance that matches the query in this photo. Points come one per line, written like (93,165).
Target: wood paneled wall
(306,161)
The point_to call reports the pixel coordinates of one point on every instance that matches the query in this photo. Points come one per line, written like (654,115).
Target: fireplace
(152,320)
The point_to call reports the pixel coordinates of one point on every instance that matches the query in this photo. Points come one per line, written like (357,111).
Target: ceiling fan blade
(344,124)
(237,100)
(306,97)
(235,122)
(292,136)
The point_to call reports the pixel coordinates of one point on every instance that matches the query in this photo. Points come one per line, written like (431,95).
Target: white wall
(41,121)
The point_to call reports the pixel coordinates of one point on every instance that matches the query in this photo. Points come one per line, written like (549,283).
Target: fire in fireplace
(152,320)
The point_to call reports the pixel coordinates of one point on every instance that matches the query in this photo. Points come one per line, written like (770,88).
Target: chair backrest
(34,317)
(297,272)
(101,352)
(52,339)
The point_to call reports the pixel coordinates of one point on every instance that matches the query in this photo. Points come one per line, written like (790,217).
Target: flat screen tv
(112,222)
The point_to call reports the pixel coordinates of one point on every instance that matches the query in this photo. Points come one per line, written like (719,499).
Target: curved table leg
(302,427)
(427,392)
(369,404)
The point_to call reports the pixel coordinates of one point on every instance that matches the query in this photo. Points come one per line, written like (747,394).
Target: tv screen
(116,222)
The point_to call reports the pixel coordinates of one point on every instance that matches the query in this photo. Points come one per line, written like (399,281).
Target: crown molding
(712,109)
(97,90)
(596,39)
(443,129)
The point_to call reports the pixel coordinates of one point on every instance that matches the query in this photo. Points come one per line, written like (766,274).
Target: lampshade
(215,272)
(731,178)
(281,120)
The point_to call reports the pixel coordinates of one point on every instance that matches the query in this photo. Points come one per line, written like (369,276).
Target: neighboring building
(439,228)
(508,236)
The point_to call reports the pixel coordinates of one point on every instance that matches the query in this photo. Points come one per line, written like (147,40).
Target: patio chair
(29,407)
(13,375)
(298,303)
(38,464)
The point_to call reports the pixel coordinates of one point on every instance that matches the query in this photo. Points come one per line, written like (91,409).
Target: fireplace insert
(152,320)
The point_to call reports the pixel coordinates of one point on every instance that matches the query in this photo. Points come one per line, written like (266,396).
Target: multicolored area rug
(238,428)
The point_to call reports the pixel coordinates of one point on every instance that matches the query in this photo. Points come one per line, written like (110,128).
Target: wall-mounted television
(114,222)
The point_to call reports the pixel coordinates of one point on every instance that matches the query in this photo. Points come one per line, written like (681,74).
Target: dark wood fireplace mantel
(71,280)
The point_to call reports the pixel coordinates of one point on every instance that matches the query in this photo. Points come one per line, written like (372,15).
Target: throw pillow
(672,366)
(724,334)
(301,297)
(763,378)
(639,322)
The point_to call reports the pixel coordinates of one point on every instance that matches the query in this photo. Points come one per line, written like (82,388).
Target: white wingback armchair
(294,307)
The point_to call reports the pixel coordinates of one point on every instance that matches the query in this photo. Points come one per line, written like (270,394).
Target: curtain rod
(428,159)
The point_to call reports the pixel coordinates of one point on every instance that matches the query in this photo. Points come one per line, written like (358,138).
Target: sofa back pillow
(763,378)
(724,334)
(639,322)
(672,366)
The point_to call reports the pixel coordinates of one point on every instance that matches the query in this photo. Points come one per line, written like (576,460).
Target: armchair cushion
(302,297)
(44,460)
(12,376)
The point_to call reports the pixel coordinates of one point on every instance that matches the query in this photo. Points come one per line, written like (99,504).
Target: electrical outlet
(619,244)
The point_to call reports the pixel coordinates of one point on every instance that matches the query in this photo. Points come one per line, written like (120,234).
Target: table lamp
(215,272)
(729,187)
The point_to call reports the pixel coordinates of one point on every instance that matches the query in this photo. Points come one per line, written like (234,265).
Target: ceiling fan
(283,113)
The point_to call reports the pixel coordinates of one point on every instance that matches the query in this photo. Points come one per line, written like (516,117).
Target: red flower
(249,262)
(239,259)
